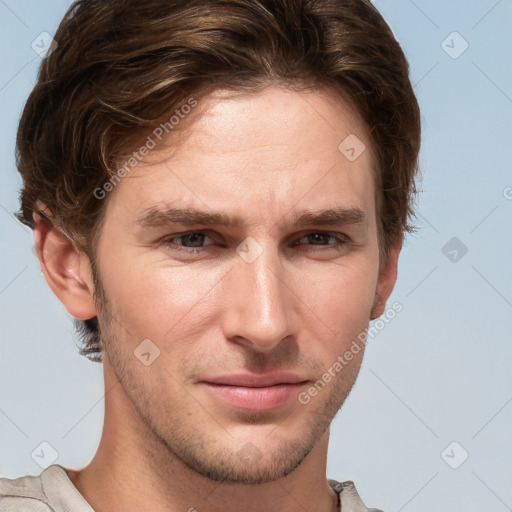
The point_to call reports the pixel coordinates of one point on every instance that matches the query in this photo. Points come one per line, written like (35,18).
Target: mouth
(252,392)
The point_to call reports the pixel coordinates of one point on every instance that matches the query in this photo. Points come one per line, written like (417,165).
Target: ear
(386,281)
(66,269)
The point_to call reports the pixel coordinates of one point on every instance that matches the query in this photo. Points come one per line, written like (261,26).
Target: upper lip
(251,380)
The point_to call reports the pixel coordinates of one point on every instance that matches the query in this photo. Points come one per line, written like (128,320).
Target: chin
(249,466)
(261,460)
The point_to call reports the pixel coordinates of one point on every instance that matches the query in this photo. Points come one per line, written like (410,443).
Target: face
(248,257)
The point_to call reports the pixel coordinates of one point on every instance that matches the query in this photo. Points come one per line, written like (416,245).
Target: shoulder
(350,500)
(50,491)
(23,494)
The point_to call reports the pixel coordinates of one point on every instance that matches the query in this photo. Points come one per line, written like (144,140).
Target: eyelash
(340,240)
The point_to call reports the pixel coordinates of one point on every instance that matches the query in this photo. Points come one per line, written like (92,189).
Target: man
(219,193)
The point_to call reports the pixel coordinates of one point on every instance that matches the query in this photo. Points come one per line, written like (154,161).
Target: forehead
(264,151)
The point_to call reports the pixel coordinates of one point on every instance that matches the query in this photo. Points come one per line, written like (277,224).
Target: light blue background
(439,372)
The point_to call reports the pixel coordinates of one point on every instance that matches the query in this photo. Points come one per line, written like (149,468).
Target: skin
(168,443)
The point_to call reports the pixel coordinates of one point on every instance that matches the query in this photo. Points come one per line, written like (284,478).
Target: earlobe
(387,280)
(66,269)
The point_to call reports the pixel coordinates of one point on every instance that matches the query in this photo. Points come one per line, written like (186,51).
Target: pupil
(194,240)
(320,238)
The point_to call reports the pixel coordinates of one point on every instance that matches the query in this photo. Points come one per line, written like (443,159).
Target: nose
(259,303)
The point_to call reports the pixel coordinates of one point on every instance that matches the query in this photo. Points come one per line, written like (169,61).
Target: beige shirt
(53,491)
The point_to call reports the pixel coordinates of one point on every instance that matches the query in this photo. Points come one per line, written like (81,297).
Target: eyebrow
(155,218)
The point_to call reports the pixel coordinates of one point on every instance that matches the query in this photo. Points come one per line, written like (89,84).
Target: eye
(187,241)
(197,242)
(320,238)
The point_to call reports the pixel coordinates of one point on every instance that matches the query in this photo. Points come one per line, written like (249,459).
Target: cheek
(154,302)
(341,300)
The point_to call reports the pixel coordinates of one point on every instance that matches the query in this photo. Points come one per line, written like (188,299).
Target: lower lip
(255,399)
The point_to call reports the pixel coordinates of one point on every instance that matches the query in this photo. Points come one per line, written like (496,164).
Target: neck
(132,471)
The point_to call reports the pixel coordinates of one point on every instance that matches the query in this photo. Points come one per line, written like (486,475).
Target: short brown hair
(121,66)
